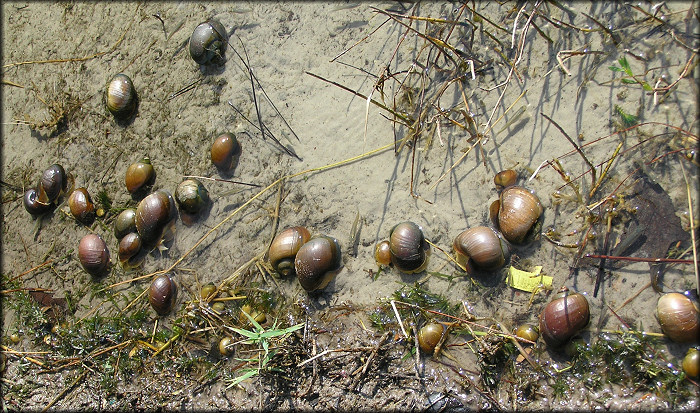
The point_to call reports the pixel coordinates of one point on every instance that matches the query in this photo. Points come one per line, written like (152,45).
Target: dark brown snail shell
(505,178)
(162,294)
(208,42)
(121,96)
(564,317)
(225,151)
(191,196)
(93,254)
(408,247)
(130,251)
(679,317)
(139,176)
(284,249)
(125,223)
(382,253)
(155,217)
(481,248)
(53,183)
(32,205)
(81,206)
(317,262)
(429,336)
(515,214)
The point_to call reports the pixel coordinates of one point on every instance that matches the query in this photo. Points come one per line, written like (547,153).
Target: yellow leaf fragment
(528,281)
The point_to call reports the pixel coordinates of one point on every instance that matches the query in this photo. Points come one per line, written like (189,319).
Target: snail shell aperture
(208,42)
(564,317)
(225,151)
(32,205)
(408,247)
(121,96)
(284,249)
(155,218)
(93,254)
(515,213)
(317,262)
(162,294)
(139,176)
(81,206)
(481,248)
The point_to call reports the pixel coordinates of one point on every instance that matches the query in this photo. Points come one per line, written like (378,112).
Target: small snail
(207,290)
(679,317)
(382,253)
(125,223)
(429,336)
(130,251)
(505,178)
(226,346)
(53,183)
(564,317)
(284,249)
(155,217)
(408,247)
(208,42)
(32,205)
(515,214)
(691,362)
(81,206)
(191,196)
(139,176)
(528,332)
(162,294)
(258,316)
(121,97)
(225,151)
(317,262)
(93,254)
(481,248)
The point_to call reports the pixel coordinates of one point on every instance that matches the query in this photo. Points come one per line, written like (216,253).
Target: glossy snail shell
(225,151)
(564,317)
(139,176)
(155,217)
(505,178)
(32,205)
(515,213)
(528,332)
(429,336)
(121,96)
(53,183)
(284,249)
(408,247)
(691,362)
(81,206)
(481,248)
(191,196)
(382,253)
(93,254)
(226,346)
(208,42)
(317,262)
(130,251)
(162,294)
(125,223)
(679,317)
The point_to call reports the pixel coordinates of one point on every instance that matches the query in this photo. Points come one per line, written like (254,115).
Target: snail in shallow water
(121,96)
(139,176)
(481,248)
(679,317)
(131,253)
(208,42)
(516,214)
(81,206)
(691,362)
(125,223)
(191,196)
(162,294)
(382,253)
(408,247)
(564,317)
(284,249)
(93,254)
(317,262)
(505,178)
(429,336)
(225,151)
(155,218)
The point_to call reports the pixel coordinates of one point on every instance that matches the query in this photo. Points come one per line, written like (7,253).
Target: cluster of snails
(315,260)
(406,249)
(54,182)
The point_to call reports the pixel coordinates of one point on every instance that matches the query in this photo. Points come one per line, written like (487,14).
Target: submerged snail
(505,178)
(130,251)
(208,42)
(679,317)
(162,294)
(408,247)
(93,254)
(32,205)
(317,262)
(81,206)
(564,317)
(284,249)
(528,332)
(125,223)
(225,151)
(429,336)
(515,214)
(139,176)
(53,183)
(155,217)
(382,253)
(121,96)
(481,248)
(691,362)
(191,196)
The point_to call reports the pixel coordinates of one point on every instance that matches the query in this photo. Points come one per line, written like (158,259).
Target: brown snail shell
(225,151)
(505,178)
(32,205)
(481,248)
(81,206)
(125,223)
(515,213)
(691,362)
(429,336)
(121,96)
(317,262)
(226,346)
(208,42)
(162,294)
(93,254)
(679,317)
(284,249)
(191,196)
(130,251)
(155,217)
(408,247)
(139,176)
(382,253)
(53,183)
(564,317)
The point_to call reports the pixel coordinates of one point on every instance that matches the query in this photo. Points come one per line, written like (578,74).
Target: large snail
(481,248)
(516,213)
(408,247)
(81,206)
(139,176)
(121,97)
(317,262)
(225,151)
(284,249)
(191,196)
(93,254)
(162,294)
(679,317)
(155,218)
(208,42)
(564,317)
